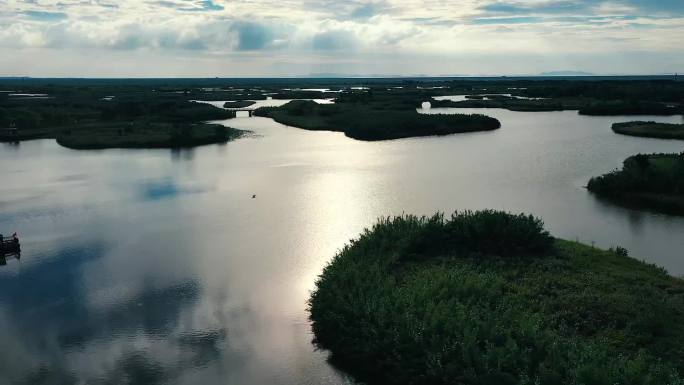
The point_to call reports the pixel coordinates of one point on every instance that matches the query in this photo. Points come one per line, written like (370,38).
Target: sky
(264,38)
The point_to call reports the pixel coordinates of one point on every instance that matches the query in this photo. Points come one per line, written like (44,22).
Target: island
(588,97)
(508,103)
(239,104)
(145,135)
(374,121)
(654,181)
(362,108)
(650,129)
(490,297)
(130,119)
(584,106)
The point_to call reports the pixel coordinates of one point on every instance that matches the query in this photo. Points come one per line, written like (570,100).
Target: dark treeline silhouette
(650,129)
(654,181)
(55,104)
(371,121)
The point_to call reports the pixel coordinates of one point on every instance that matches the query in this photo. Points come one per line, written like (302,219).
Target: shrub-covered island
(650,129)
(145,135)
(491,298)
(653,181)
(239,104)
(136,119)
(374,121)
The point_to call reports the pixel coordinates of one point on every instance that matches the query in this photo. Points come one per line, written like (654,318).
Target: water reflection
(8,256)
(182,154)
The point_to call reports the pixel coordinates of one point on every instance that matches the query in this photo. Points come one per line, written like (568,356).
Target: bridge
(247,110)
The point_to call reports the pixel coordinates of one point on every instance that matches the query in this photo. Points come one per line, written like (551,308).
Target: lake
(158,266)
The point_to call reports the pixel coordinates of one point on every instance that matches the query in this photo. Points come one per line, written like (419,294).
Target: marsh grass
(490,298)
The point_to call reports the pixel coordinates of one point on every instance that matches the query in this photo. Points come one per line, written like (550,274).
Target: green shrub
(500,233)
(619,250)
(481,232)
(406,303)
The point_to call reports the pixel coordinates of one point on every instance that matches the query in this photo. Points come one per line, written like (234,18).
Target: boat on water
(10,245)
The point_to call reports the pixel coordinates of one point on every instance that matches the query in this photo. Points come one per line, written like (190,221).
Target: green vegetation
(129,119)
(433,301)
(650,129)
(585,106)
(630,108)
(80,103)
(509,103)
(145,135)
(653,181)
(588,96)
(373,121)
(238,104)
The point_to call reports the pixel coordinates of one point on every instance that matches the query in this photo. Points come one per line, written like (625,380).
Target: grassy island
(653,181)
(238,104)
(585,106)
(145,135)
(508,103)
(128,119)
(630,108)
(650,130)
(491,298)
(369,121)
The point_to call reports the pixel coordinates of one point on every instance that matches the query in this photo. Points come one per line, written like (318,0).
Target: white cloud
(265,32)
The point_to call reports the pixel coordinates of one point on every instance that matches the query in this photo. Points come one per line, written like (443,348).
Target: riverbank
(487,298)
(653,182)
(650,129)
(374,122)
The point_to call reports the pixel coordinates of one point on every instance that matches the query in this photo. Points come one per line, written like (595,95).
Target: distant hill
(566,73)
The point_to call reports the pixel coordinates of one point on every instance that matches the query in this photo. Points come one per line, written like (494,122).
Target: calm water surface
(157,266)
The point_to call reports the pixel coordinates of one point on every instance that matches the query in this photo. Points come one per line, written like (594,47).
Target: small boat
(10,245)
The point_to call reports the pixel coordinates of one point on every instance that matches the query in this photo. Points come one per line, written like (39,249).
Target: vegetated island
(654,181)
(600,97)
(650,129)
(239,104)
(584,106)
(130,119)
(145,134)
(491,298)
(369,121)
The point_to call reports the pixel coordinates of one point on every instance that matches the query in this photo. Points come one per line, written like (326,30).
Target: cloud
(203,6)
(334,41)
(272,32)
(252,36)
(45,16)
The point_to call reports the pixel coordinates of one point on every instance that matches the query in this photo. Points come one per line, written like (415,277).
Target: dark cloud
(46,16)
(252,36)
(334,40)
(554,7)
(368,10)
(645,7)
(203,6)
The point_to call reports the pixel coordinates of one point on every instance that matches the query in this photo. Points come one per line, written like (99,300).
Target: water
(157,266)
